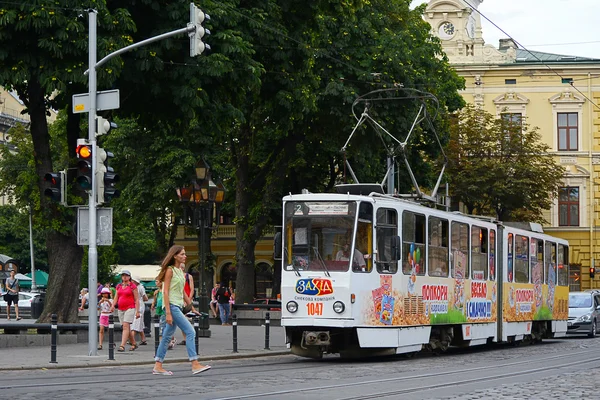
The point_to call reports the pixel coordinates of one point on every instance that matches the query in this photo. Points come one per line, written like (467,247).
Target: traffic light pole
(192,29)
(93,242)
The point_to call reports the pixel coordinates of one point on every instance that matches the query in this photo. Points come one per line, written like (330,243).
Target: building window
(510,81)
(567,131)
(568,206)
(566,80)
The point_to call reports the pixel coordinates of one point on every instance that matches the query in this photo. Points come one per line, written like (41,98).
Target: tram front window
(318,236)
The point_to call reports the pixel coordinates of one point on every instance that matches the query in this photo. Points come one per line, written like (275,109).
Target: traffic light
(592,272)
(57,190)
(103,126)
(84,165)
(106,178)
(197,17)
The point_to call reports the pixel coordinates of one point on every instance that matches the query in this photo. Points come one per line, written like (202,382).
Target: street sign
(104,226)
(106,100)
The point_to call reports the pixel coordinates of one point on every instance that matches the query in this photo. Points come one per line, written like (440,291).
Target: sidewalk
(251,343)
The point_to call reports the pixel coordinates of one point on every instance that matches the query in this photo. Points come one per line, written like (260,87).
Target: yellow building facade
(560,95)
(223,248)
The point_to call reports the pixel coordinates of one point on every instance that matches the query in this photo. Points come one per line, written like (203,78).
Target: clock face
(446,30)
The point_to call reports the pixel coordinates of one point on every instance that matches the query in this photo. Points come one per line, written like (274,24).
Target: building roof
(528,56)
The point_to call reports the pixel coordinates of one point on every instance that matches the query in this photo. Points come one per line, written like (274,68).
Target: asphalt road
(557,369)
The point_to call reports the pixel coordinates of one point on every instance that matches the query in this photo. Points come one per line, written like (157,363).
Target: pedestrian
(104,305)
(214,305)
(223,297)
(11,285)
(113,291)
(188,288)
(127,302)
(174,299)
(84,296)
(138,325)
(99,290)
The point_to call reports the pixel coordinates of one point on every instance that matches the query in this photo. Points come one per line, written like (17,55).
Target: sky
(567,27)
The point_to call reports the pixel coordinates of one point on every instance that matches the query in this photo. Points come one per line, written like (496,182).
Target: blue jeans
(179,321)
(224,311)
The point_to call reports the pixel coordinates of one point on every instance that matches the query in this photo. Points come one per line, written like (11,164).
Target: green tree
(14,239)
(43,51)
(501,167)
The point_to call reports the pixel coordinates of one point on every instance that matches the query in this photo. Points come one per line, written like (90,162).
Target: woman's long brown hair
(168,261)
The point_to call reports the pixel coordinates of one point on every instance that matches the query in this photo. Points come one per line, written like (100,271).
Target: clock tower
(458,25)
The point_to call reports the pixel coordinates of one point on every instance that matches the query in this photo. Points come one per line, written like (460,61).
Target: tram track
(79,379)
(47,379)
(378,393)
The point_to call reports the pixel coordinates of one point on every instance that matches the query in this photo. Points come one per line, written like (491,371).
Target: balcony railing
(224,232)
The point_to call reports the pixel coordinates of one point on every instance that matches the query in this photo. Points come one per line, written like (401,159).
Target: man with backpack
(223,296)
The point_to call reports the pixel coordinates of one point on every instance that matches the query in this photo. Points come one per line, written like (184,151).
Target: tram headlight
(339,307)
(292,306)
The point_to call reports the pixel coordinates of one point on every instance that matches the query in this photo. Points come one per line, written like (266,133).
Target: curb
(108,363)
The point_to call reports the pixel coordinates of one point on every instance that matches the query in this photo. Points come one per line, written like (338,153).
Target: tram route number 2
(314,308)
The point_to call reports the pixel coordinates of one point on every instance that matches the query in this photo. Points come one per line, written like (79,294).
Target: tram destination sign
(326,209)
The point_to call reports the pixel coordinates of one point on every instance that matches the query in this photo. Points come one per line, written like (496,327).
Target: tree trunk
(62,297)
(64,256)
(245,241)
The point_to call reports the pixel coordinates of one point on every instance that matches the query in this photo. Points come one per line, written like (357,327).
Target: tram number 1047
(314,308)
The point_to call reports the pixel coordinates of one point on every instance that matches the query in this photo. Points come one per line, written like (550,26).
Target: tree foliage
(501,167)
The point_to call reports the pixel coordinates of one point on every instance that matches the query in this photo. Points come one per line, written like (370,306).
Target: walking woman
(127,302)
(174,299)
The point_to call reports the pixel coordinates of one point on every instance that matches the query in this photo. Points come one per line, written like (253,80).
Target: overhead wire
(530,52)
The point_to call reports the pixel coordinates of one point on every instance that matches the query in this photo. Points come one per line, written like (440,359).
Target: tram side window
(521,259)
(438,250)
(460,250)
(510,257)
(413,243)
(563,265)
(550,263)
(492,255)
(479,253)
(537,261)
(387,228)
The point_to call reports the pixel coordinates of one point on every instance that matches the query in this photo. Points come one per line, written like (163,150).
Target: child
(104,305)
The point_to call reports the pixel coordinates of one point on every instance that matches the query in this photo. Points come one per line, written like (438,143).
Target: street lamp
(201,200)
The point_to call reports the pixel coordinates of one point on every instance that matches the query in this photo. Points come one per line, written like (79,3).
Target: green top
(176,288)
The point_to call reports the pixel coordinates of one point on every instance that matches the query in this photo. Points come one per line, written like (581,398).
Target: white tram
(369,275)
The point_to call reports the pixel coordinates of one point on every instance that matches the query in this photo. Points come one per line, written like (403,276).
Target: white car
(25,299)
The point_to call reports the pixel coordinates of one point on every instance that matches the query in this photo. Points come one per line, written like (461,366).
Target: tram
(373,274)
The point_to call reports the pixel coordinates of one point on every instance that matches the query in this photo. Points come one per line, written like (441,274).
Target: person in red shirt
(127,302)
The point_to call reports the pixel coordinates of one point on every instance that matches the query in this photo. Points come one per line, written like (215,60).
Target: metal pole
(111,337)
(196,329)
(234,326)
(33,283)
(267,325)
(92,250)
(53,339)
(156,333)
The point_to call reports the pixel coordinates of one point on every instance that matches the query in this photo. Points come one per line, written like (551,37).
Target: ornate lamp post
(201,200)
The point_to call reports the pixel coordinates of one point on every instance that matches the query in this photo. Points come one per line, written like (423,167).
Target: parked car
(276,303)
(25,299)
(584,312)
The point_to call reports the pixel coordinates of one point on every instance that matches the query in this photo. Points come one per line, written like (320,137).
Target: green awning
(41,279)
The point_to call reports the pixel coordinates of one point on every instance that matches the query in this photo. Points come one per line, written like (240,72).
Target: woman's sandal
(143,343)
(100,347)
(133,347)
(121,348)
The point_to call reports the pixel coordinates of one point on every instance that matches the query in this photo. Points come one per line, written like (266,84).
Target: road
(558,369)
